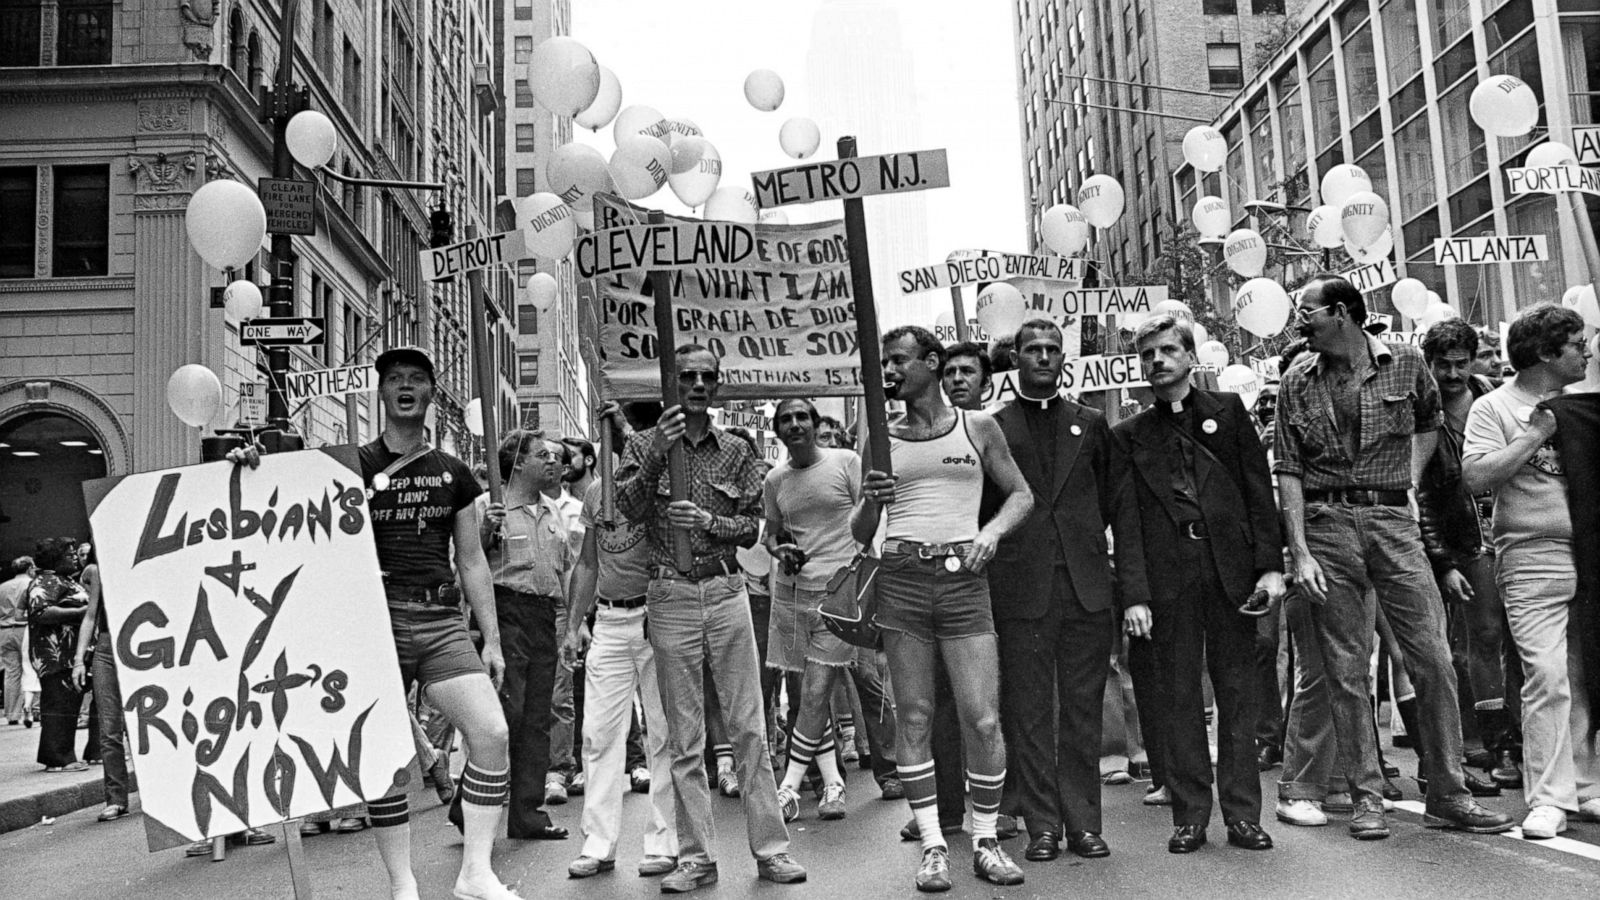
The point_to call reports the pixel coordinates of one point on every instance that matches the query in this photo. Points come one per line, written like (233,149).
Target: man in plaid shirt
(701,617)
(1357,422)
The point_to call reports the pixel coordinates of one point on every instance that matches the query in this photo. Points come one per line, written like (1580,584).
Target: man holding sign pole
(700,614)
(933,598)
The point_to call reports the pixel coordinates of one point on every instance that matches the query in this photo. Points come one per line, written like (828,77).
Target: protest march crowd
(1402,525)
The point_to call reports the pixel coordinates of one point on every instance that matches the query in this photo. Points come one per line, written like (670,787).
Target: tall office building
(861,82)
(1112,86)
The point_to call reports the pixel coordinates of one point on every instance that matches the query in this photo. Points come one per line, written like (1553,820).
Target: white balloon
(241,300)
(799,137)
(1363,218)
(607,100)
(680,128)
(1064,229)
(311,138)
(548,226)
(1342,181)
(764,89)
(1569,298)
(1241,380)
(1410,297)
(226,223)
(1587,306)
(1205,148)
(1550,153)
(563,75)
(1245,252)
(1201,335)
(1101,198)
(194,394)
(1504,106)
(773,217)
(1174,308)
(732,204)
(1211,217)
(639,166)
(946,319)
(686,154)
(1261,307)
(1435,314)
(694,185)
(640,119)
(473,416)
(542,290)
(576,173)
(1001,309)
(1213,353)
(1324,228)
(1373,252)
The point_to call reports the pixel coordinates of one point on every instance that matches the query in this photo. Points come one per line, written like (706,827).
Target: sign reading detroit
(783,323)
(258,672)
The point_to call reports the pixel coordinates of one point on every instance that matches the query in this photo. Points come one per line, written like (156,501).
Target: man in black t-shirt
(423,516)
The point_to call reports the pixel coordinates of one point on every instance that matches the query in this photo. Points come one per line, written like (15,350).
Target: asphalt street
(860,856)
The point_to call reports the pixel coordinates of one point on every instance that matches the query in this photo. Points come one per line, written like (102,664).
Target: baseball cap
(411,356)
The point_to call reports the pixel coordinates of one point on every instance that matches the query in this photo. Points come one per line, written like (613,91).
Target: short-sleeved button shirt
(1398,399)
(413,517)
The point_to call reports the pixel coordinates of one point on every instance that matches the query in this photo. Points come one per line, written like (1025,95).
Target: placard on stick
(252,638)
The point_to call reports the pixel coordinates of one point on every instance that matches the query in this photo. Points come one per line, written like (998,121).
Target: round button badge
(380,481)
(952,564)
(1209,426)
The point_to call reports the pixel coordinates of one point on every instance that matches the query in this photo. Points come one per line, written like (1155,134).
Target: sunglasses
(1303,314)
(688,377)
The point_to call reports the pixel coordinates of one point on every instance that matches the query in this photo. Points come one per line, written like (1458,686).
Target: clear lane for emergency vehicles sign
(783,322)
(258,672)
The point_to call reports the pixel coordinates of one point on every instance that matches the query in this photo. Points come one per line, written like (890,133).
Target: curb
(25,812)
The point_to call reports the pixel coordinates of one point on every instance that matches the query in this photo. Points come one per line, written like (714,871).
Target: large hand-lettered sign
(785,329)
(668,246)
(1472,251)
(983,267)
(1553,179)
(846,179)
(258,672)
(1084,375)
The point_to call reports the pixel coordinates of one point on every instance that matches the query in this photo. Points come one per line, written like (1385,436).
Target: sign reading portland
(258,672)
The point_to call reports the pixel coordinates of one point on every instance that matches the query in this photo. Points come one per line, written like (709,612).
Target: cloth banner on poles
(784,329)
(257,668)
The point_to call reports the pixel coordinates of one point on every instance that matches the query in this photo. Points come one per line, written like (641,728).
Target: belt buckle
(925,551)
(1189,531)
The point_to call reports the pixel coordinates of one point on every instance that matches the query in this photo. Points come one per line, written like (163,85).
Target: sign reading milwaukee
(670,245)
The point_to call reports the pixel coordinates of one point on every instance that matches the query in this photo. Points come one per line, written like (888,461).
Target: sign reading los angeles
(781,320)
(1084,375)
(847,179)
(258,673)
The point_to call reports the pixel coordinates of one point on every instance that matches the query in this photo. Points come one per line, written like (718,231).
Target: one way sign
(282,332)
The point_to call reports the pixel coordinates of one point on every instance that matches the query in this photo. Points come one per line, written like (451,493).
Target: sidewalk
(27,793)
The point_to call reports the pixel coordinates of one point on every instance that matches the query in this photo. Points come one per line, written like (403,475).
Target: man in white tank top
(933,599)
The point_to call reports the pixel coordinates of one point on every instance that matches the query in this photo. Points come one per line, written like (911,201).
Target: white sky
(689,58)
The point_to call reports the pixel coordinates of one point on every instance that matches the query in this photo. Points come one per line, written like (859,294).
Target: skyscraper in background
(861,82)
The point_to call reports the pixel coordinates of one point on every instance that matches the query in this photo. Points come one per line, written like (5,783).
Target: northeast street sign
(290,205)
(282,332)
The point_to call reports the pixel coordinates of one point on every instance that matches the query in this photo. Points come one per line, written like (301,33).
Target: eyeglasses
(542,455)
(1582,345)
(688,377)
(1302,314)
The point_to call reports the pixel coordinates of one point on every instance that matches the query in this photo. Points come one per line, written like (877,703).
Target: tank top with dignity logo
(941,484)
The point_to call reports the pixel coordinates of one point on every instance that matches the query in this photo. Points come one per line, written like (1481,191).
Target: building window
(525,136)
(1220,7)
(81,233)
(527,181)
(19,198)
(19,33)
(524,50)
(524,9)
(527,319)
(83,37)
(528,368)
(1226,67)
(352,79)
(355,334)
(524,93)
(1267,7)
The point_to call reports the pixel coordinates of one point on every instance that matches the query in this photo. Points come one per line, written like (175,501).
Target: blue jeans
(1367,549)
(108,706)
(694,624)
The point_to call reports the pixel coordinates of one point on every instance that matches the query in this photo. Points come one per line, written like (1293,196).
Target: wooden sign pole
(963,331)
(877,415)
(666,345)
(483,366)
(608,479)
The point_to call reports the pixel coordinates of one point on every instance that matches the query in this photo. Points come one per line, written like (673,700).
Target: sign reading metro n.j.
(1490,249)
(847,179)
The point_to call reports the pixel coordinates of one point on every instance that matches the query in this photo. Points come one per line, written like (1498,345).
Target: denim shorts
(924,600)
(796,635)
(432,643)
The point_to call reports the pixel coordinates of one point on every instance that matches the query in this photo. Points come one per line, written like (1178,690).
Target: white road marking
(1565,845)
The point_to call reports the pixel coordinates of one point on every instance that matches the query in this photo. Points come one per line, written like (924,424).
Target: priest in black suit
(1052,589)
(1210,541)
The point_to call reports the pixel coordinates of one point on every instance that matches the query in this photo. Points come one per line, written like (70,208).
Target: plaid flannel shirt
(1398,399)
(724,480)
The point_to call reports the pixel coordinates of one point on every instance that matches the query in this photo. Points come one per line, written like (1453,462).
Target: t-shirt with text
(1532,503)
(814,505)
(413,517)
(624,554)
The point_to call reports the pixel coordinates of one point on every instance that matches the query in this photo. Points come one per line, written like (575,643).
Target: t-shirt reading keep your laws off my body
(413,517)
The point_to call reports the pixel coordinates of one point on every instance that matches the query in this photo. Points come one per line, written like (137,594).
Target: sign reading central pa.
(258,672)
(847,179)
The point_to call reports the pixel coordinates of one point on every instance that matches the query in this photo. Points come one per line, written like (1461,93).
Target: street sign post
(283,332)
(253,403)
(290,205)
(303,386)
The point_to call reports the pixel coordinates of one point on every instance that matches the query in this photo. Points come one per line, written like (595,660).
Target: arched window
(236,42)
(253,59)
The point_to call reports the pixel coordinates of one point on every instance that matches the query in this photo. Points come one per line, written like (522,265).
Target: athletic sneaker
(933,876)
(992,864)
(1544,822)
(728,783)
(789,804)
(640,777)
(832,806)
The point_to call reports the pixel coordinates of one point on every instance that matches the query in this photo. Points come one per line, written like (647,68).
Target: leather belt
(926,551)
(446,594)
(634,603)
(1194,531)
(1359,497)
(700,571)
